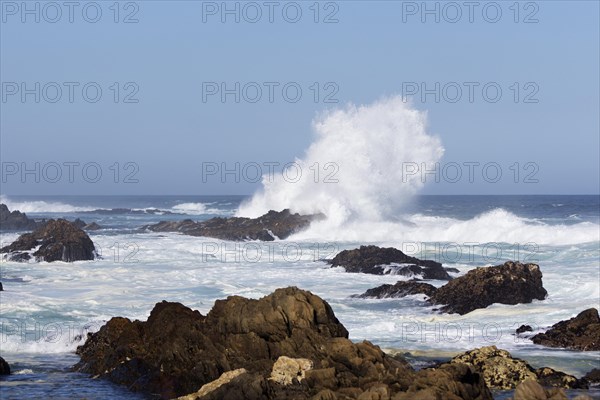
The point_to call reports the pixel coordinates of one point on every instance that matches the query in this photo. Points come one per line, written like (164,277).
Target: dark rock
(400,289)
(287,345)
(580,333)
(510,283)
(92,227)
(381,261)
(15,221)
(500,370)
(4,367)
(271,226)
(1,288)
(79,223)
(524,328)
(449,381)
(58,240)
(532,390)
(592,378)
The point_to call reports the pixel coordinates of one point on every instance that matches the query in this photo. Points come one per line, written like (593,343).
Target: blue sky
(165,122)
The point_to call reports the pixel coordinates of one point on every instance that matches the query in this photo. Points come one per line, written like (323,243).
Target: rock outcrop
(592,378)
(579,333)
(510,283)
(271,226)
(400,289)
(16,220)
(381,261)
(287,345)
(85,226)
(502,371)
(4,367)
(56,240)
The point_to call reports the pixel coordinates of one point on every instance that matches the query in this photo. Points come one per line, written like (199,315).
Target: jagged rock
(15,221)
(502,371)
(441,383)
(177,351)
(524,328)
(271,226)
(92,227)
(580,333)
(4,367)
(56,240)
(592,378)
(208,389)
(510,283)
(381,261)
(532,390)
(400,289)
(1,288)
(286,369)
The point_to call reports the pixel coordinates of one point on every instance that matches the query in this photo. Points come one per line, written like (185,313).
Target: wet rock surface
(15,220)
(271,226)
(4,367)
(579,333)
(399,289)
(380,261)
(501,370)
(287,345)
(56,240)
(509,283)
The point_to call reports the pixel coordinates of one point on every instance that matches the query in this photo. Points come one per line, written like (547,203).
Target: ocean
(47,309)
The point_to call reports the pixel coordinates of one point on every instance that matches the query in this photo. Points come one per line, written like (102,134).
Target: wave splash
(359,153)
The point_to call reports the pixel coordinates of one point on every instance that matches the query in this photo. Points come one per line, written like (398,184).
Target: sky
(197,97)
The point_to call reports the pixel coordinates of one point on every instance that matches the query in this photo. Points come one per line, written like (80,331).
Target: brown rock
(510,283)
(580,333)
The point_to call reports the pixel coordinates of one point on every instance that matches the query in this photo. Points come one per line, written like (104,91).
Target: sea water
(47,309)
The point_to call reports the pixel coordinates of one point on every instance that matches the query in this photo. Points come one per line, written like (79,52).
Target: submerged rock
(287,345)
(579,333)
(501,370)
(271,226)
(523,329)
(56,240)
(16,220)
(4,367)
(381,261)
(400,289)
(510,283)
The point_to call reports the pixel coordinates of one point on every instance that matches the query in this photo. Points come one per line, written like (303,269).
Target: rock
(79,223)
(271,226)
(381,261)
(579,333)
(592,378)
(289,344)
(1,288)
(400,289)
(224,379)
(85,226)
(502,371)
(4,367)
(92,227)
(15,221)
(286,369)
(57,240)
(532,390)
(524,328)
(449,381)
(510,283)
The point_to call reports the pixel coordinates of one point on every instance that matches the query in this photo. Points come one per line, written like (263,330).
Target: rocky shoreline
(289,344)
